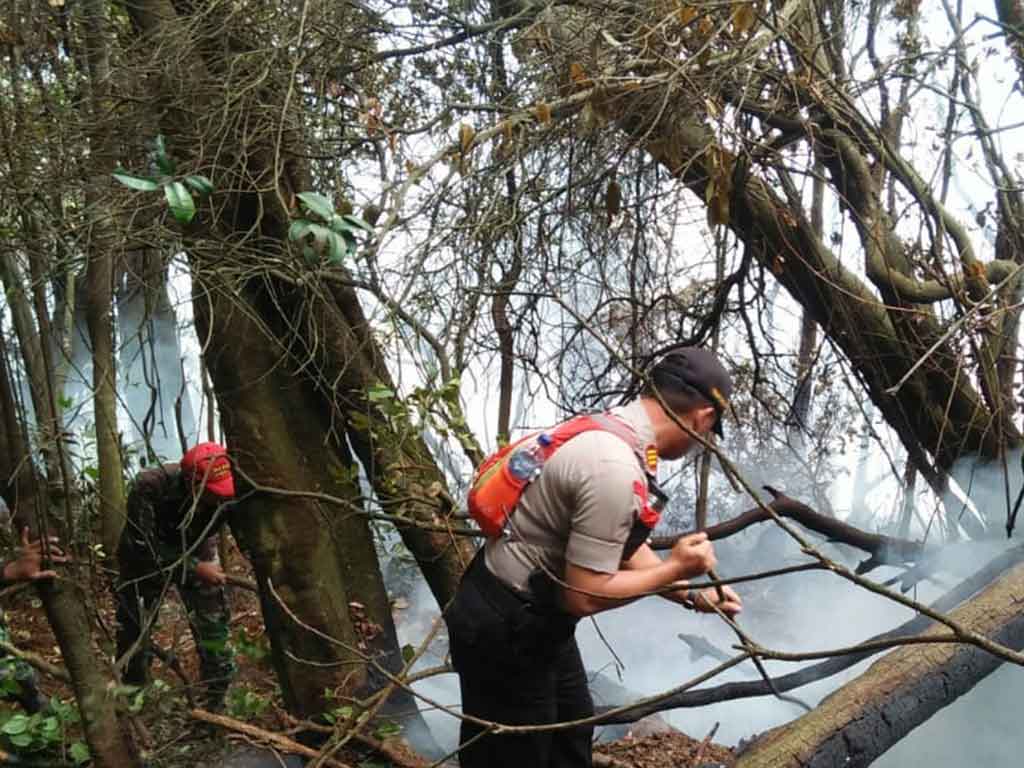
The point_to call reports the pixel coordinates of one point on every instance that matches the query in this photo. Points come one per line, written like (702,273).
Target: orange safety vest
(504,475)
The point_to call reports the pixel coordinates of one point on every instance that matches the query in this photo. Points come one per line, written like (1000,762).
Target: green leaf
(17,724)
(202,185)
(379,392)
(79,753)
(163,162)
(338,248)
(21,739)
(317,204)
(408,652)
(136,182)
(386,729)
(320,234)
(351,244)
(183,207)
(357,222)
(138,701)
(299,229)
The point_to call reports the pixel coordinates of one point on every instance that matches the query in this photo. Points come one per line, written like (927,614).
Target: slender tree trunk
(99,281)
(66,604)
(151,360)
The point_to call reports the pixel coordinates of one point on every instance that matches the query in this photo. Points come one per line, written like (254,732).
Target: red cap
(209,462)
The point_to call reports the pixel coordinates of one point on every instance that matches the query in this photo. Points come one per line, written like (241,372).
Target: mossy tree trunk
(883,322)
(312,559)
(292,360)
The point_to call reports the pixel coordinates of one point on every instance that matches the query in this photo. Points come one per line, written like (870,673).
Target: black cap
(698,369)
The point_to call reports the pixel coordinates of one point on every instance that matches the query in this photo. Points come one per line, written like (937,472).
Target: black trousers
(517,665)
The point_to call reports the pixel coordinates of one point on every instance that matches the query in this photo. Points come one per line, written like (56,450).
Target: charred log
(898,692)
(988,575)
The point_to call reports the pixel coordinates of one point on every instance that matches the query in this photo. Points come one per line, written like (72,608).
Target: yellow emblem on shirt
(651,454)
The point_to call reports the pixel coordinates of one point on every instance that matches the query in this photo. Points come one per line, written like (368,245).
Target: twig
(704,744)
(171,660)
(396,756)
(36,661)
(277,740)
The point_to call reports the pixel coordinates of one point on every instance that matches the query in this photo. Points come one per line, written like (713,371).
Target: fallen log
(701,697)
(861,720)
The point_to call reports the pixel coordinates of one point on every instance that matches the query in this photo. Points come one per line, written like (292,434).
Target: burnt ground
(171,738)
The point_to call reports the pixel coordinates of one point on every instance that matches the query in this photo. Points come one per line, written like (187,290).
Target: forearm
(588,592)
(645,558)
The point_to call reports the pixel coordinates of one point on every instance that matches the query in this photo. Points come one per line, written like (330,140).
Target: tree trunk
(151,359)
(937,417)
(312,559)
(67,606)
(293,363)
(865,717)
(99,281)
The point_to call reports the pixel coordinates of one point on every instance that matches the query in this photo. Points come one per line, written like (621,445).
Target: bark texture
(293,361)
(861,720)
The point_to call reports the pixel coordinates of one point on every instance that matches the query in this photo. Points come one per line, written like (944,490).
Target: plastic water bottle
(526,461)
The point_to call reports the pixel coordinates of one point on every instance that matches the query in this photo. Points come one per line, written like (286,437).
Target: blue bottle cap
(544,439)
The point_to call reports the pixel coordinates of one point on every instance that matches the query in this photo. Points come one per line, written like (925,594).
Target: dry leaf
(466,135)
(578,76)
(705,26)
(687,14)
(743,18)
(718,193)
(543,113)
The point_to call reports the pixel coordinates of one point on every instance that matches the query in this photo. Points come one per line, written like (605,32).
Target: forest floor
(172,738)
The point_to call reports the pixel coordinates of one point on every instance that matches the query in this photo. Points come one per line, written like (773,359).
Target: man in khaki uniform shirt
(575,545)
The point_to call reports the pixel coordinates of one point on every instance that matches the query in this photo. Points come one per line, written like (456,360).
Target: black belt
(509,602)
(502,597)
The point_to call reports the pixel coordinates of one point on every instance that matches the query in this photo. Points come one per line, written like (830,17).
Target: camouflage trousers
(209,618)
(18,679)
